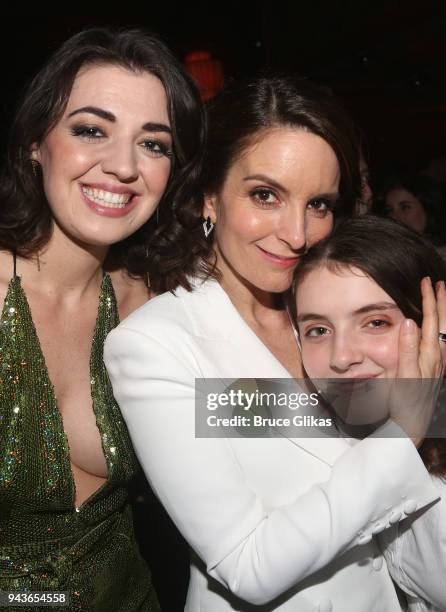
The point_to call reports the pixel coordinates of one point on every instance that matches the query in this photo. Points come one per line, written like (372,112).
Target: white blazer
(415,551)
(285,524)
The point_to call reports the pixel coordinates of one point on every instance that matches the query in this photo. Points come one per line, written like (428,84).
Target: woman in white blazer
(274,523)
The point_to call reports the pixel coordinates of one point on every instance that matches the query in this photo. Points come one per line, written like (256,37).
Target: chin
(99,240)
(274,286)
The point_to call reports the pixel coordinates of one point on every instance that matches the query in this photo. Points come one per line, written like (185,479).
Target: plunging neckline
(105,285)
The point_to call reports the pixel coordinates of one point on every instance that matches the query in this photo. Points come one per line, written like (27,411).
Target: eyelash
(328,204)
(382,323)
(258,192)
(86,131)
(163,149)
(319,328)
(256,195)
(323,331)
(92,133)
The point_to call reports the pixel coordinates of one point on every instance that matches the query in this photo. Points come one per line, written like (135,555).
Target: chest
(62,423)
(284,348)
(65,339)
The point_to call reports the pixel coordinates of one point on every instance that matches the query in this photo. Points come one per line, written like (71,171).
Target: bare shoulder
(131,293)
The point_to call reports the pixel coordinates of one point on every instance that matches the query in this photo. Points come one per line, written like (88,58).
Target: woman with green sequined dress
(108,132)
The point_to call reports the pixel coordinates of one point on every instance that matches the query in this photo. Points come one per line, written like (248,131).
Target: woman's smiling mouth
(280,260)
(112,202)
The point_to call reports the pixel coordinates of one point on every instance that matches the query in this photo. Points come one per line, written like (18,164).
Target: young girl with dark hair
(354,292)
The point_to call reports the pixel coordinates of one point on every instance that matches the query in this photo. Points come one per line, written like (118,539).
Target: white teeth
(107,198)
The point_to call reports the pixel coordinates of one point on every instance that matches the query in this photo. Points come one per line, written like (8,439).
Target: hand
(421,356)
(425,357)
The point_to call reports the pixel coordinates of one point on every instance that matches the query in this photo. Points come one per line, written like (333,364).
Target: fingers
(429,327)
(441,308)
(409,343)
(431,357)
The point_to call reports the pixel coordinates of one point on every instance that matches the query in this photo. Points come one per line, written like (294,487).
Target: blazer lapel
(241,354)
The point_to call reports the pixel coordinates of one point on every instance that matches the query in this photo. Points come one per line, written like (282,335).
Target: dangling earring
(35,166)
(208,226)
(148,276)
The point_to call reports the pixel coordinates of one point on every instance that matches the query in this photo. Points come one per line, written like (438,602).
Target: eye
(320,207)
(317,332)
(378,324)
(157,148)
(88,132)
(264,197)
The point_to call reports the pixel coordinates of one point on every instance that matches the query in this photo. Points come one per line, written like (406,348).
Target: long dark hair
(25,217)
(236,117)
(397,259)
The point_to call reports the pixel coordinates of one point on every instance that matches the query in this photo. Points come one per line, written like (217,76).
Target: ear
(34,153)
(210,207)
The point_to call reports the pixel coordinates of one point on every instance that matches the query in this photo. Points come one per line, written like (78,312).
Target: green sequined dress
(46,543)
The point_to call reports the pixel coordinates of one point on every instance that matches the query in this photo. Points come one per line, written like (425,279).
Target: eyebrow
(381,306)
(267,179)
(108,116)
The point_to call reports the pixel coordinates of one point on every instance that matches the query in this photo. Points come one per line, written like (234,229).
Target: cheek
(242,223)
(315,358)
(318,229)
(156,174)
(64,162)
(384,352)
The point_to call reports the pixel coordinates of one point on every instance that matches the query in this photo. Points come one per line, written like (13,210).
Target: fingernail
(409,326)
(439,285)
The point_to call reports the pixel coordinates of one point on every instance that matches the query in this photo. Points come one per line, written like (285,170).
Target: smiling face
(276,201)
(403,206)
(348,325)
(106,163)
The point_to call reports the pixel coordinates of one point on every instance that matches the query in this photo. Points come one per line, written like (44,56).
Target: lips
(352,383)
(106,198)
(279,260)
(109,200)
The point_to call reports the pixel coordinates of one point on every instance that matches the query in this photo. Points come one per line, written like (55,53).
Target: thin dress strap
(14,263)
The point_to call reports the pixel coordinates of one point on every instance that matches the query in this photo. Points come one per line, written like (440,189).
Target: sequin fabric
(46,543)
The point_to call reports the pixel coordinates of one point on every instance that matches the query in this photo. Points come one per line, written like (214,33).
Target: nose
(120,159)
(292,229)
(345,353)
(392,212)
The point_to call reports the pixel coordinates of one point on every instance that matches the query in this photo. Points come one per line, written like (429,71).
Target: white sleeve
(416,554)
(257,553)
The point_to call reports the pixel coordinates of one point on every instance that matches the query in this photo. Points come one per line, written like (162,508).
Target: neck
(64,267)
(255,305)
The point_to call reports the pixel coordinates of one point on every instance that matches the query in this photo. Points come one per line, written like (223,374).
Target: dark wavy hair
(430,194)
(236,117)
(397,259)
(25,217)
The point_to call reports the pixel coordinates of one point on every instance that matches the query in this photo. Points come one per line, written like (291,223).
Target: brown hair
(242,111)
(25,217)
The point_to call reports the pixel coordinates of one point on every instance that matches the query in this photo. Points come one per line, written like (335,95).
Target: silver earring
(208,226)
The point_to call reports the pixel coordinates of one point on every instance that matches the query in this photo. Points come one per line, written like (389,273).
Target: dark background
(385,58)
